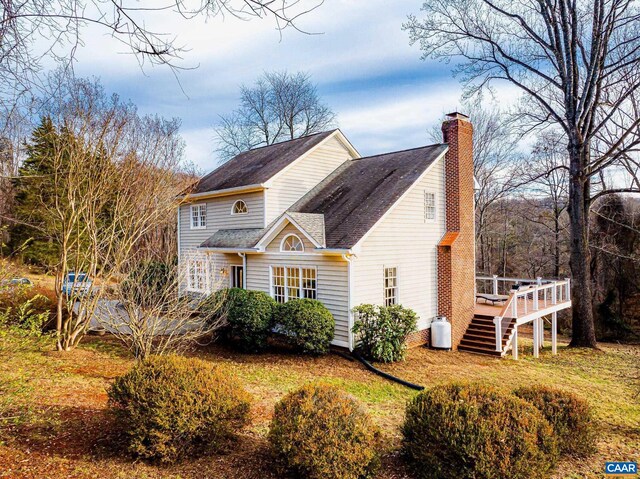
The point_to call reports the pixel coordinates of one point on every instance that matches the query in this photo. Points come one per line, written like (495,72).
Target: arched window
(239,208)
(291,243)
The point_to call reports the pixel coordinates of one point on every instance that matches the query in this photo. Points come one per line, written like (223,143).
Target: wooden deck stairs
(480,337)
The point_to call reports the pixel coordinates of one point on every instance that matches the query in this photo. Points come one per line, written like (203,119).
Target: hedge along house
(310,218)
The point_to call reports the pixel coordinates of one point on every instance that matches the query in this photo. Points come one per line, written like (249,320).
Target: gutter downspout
(244,269)
(348,257)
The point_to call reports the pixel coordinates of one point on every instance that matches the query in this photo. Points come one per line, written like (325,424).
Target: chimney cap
(456,115)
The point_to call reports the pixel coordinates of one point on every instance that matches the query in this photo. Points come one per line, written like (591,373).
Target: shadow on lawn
(81,434)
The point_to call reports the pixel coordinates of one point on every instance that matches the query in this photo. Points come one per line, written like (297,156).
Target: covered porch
(512,303)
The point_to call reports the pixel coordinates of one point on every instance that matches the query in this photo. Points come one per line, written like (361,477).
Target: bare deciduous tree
(115,177)
(151,315)
(547,191)
(279,106)
(577,65)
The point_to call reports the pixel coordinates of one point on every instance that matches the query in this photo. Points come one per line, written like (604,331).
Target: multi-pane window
(291,243)
(277,284)
(199,216)
(239,208)
(429,206)
(293,283)
(197,278)
(390,286)
(289,282)
(309,283)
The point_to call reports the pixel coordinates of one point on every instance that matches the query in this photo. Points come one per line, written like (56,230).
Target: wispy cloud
(386,98)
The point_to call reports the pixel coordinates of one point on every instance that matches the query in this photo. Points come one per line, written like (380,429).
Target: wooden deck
(487,309)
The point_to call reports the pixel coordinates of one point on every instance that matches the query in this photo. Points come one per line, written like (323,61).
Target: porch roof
(234,238)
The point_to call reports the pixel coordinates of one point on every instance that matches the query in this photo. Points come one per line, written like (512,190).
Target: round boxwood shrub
(569,415)
(381,332)
(472,430)
(320,432)
(171,406)
(307,324)
(249,316)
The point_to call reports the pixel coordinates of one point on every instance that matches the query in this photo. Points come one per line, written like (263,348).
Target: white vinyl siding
(303,175)
(219,217)
(404,240)
(277,243)
(331,282)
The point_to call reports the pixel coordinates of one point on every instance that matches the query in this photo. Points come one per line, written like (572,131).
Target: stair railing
(498,321)
(560,292)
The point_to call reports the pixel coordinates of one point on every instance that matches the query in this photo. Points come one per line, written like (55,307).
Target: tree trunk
(556,244)
(583,329)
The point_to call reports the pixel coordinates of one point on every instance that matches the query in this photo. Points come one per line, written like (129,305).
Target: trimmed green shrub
(307,325)
(471,430)
(249,316)
(381,332)
(172,406)
(569,415)
(320,432)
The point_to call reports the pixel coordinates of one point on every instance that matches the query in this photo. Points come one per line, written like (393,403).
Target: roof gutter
(227,250)
(224,192)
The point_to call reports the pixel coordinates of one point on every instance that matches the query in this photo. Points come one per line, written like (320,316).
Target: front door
(237,277)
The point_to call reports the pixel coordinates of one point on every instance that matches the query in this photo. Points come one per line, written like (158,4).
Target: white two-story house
(311,218)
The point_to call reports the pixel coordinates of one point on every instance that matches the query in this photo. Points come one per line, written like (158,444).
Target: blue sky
(385,97)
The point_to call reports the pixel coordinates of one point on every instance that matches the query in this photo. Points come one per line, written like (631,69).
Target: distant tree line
(522,221)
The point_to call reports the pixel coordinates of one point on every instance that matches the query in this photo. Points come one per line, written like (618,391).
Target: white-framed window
(309,283)
(197,277)
(429,206)
(292,244)
(390,286)
(290,282)
(278,290)
(239,208)
(199,216)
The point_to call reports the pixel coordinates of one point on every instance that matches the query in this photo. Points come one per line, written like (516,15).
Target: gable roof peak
(259,165)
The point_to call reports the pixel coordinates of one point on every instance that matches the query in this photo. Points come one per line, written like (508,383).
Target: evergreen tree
(33,235)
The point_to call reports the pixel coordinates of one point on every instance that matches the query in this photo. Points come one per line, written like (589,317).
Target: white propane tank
(440,333)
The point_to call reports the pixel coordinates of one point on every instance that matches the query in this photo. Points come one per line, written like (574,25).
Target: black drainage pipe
(388,376)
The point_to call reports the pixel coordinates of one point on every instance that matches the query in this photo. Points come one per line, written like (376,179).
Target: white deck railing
(530,302)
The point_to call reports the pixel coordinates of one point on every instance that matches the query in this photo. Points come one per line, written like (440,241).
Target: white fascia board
(227,250)
(224,192)
(358,245)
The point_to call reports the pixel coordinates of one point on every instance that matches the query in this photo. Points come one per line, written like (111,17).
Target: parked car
(76,284)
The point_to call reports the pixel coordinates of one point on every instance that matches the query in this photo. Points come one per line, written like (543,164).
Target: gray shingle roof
(340,210)
(356,195)
(234,238)
(311,223)
(258,165)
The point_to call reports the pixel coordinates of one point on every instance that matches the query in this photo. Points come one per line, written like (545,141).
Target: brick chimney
(456,251)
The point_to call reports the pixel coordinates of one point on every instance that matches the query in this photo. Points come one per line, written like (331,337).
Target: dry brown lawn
(54,422)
